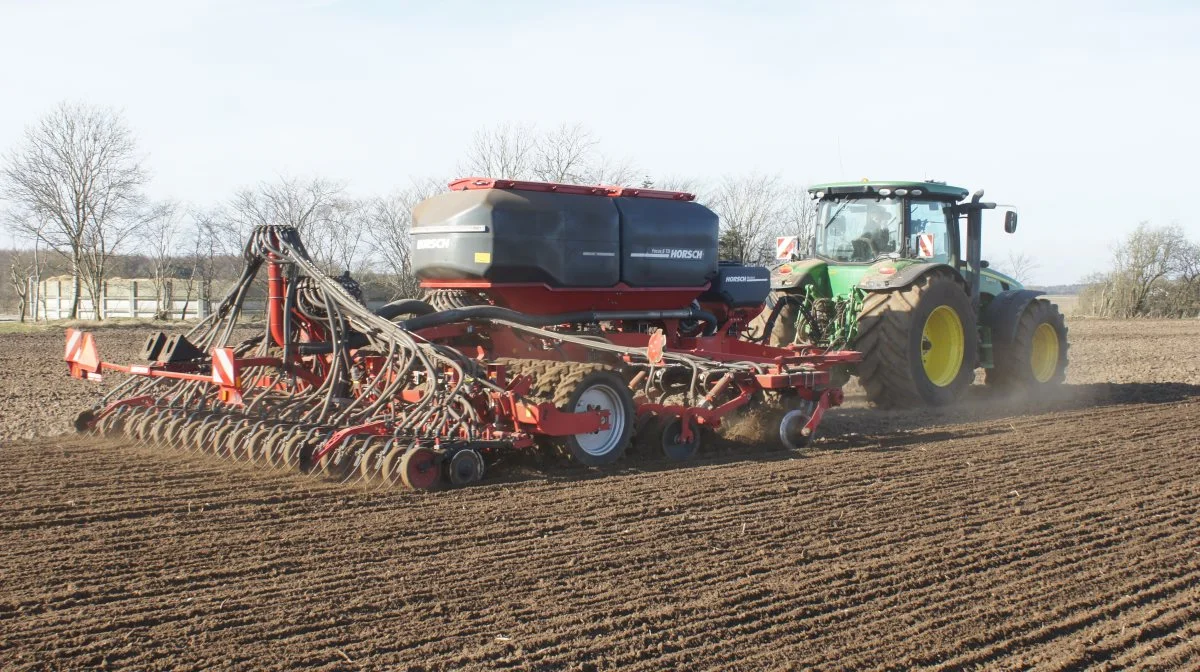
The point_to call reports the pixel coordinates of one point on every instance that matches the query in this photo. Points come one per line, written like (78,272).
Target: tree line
(73,192)
(73,195)
(1154,272)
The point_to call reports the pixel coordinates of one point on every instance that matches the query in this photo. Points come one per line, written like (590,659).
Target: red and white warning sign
(74,338)
(925,245)
(225,374)
(224,370)
(785,246)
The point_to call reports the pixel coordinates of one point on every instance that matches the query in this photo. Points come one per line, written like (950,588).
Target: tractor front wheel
(918,343)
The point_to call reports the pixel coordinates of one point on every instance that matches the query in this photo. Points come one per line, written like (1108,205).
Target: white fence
(134,298)
(138,298)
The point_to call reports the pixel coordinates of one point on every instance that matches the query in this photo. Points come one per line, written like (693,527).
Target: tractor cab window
(859,229)
(928,231)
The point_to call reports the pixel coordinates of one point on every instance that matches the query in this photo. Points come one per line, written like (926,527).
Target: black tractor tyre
(783,329)
(890,337)
(1017,360)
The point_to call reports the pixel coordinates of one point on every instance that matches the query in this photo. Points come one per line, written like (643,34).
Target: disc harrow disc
(171,433)
(337,463)
(105,426)
(419,469)
(389,466)
(159,428)
(235,441)
(368,466)
(183,435)
(201,438)
(256,444)
(290,457)
(217,445)
(139,425)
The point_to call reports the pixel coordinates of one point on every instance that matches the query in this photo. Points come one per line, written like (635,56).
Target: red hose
(275,300)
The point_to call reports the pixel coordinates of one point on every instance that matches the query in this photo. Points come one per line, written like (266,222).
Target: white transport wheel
(601,398)
(601,391)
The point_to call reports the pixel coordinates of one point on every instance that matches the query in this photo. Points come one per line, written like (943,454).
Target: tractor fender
(891,275)
(1004,311)
(792,274)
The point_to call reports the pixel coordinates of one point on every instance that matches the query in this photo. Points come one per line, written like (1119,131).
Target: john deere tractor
(896,272)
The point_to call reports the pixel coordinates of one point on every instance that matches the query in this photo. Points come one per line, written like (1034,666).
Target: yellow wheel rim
(1044,355)
(942,346)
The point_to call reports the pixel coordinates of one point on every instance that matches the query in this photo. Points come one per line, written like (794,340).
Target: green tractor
(888,276)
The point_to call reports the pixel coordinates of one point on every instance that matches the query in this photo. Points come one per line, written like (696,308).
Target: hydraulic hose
(404,307)
(498,313)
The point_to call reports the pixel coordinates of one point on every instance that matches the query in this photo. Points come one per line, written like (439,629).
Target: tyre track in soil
(1059,540)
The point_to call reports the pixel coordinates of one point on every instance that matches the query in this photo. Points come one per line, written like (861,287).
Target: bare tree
(1153,274)
(318,208)
(205,245)
(751,209)
(1148,256)
(609,171)
(688,185)
(389,220)
(1186,299)
(76,179)
(798,217)
(20,275)
(563,154)
(291,201)
(1021,267)
(504,151)
(159,236)
(339,241)
(567,154)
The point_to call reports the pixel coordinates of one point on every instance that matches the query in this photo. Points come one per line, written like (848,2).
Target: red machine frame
(512,417)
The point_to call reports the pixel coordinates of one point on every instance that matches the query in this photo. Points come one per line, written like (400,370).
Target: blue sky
(1084,115)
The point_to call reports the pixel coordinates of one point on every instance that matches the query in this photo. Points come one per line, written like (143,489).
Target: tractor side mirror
(983,263)
(1010,221)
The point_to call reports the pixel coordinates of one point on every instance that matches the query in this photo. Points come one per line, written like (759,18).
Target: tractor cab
(865,227)
(865,222)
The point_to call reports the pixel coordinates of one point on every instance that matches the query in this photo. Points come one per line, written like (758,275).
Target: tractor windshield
(859,229)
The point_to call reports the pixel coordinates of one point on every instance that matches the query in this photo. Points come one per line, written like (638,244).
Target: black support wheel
(673,446)
(1034,359)
(465,467)
(919,343)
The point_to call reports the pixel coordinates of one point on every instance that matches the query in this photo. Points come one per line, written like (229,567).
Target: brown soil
(1002,534)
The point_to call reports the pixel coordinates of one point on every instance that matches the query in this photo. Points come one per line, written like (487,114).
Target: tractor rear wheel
(918,342)
(1036,357)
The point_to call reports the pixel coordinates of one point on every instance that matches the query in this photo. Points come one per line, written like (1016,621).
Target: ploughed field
(1000,534)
